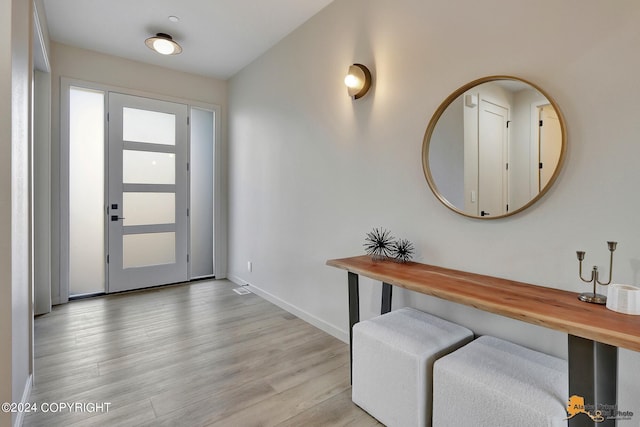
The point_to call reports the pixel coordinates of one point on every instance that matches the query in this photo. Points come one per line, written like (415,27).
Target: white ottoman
(495,383)
(393,357)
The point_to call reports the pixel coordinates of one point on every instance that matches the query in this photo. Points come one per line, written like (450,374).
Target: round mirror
(494,147)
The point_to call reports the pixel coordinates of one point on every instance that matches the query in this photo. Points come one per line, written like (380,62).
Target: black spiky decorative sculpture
(379,243)
(402,250)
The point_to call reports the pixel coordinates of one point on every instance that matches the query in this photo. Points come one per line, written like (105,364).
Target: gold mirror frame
(437,115)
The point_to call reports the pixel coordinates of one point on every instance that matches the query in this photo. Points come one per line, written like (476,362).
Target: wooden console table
(594,332)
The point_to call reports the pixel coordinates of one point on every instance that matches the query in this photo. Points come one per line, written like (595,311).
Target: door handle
(116,217)
(483,213)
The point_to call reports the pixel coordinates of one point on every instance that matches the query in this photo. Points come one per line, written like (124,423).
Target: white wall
(446,154)
(311,171)
(5,207)
(95,67)
(15,295)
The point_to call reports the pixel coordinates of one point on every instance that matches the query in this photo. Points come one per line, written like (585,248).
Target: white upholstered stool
(393,357)
(495,383)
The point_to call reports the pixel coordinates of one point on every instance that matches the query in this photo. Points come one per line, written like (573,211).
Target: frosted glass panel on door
(202,164)
(148,126)
(142,250)
(148,167)
(149,208)
(86,192)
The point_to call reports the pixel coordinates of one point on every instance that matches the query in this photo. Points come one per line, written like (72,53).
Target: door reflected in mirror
(494,147)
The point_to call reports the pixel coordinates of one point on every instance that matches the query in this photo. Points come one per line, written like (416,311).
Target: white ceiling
(218,37)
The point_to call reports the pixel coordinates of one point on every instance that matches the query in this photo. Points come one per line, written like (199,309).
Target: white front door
(147,202)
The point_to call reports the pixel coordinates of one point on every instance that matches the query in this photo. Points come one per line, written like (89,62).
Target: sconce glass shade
(358,81)
(163,44)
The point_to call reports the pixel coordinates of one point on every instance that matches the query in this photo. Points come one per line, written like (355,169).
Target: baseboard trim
(304,315)
(26,394)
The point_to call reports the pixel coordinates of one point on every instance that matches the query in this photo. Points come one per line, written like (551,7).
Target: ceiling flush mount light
(358,81)
(163,44)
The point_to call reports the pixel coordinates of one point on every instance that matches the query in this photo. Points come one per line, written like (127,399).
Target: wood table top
(552,308)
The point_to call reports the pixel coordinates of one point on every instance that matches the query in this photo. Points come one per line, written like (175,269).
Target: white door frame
(61,295)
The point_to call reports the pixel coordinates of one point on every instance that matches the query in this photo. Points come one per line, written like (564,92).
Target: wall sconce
(358,81)
(163,44)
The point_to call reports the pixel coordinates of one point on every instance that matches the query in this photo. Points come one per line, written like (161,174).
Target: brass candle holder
(593,297)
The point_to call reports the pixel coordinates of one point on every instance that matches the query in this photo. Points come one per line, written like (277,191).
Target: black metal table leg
(593,375)
(354,313)
(386,298)
(606,381)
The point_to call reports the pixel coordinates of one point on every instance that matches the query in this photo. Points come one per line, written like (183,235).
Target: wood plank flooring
(189,355)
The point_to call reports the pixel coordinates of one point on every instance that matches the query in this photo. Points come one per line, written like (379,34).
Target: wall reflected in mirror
(494,147)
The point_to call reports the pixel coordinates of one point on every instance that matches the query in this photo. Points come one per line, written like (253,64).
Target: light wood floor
(190,355)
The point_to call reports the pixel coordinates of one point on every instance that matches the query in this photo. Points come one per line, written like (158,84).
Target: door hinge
(107,116)
(187,211)
(187,166)
(508,121)
(540,123)
(107,259)
(187,257)
(507,165)
(187,120)
(540,166)
(507,208)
